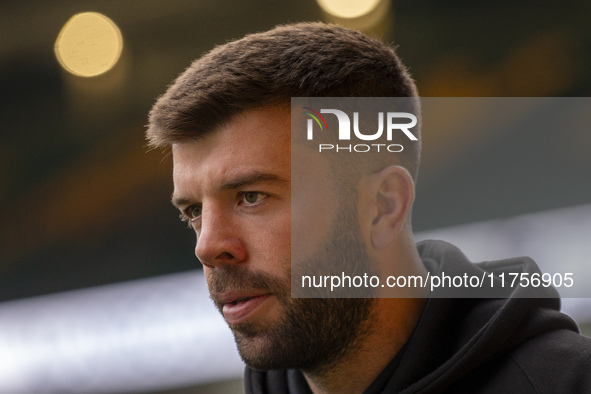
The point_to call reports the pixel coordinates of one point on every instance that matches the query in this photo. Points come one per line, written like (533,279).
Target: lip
(243,310)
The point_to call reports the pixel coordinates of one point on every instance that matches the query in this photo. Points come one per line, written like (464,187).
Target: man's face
(234,185)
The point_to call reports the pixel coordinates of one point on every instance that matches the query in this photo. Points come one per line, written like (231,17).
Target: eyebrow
(253,177)
(236,182)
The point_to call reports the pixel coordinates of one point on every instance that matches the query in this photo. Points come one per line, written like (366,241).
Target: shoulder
(552,362)
(556,361)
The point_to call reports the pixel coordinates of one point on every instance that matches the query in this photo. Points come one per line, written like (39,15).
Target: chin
(261,352)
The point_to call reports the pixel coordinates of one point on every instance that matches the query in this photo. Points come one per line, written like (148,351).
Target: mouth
(238,308)
(242,299)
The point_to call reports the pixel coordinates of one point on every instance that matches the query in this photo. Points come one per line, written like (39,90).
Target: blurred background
(84,204)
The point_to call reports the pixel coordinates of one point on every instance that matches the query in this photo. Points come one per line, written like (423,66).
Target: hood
(459,337)
(456,335)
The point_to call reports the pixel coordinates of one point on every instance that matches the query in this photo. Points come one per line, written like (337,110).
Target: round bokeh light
(348,8)
(89,44)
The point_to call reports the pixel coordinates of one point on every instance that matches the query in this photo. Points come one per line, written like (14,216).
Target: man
(227,119)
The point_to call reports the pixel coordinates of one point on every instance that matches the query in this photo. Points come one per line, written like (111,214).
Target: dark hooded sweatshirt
(474,345)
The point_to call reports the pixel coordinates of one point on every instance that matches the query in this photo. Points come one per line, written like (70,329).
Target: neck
(389,326)
(362,364)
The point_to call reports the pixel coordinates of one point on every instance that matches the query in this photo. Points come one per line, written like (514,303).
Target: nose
(219,240)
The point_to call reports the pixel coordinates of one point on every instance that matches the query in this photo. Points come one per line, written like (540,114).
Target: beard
(311,334)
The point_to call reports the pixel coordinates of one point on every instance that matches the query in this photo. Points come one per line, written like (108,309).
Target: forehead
(255,140)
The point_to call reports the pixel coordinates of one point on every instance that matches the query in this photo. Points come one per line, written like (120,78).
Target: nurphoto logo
(393,125)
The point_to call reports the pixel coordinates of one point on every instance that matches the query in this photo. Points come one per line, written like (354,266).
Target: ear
(392,193)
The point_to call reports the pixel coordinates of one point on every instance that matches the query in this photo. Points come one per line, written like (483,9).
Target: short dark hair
(267,69)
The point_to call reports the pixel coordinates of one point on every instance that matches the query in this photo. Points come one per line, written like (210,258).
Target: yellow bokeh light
(89,44)
(348,8)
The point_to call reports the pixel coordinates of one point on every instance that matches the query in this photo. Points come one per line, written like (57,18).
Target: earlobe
(394,195)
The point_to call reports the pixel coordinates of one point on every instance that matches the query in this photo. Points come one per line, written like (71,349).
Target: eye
(193,212)
(251,198)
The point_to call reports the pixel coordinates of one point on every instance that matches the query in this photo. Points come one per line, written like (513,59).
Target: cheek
(313,210)
(312,202)
(310,226)
(274,244)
